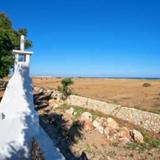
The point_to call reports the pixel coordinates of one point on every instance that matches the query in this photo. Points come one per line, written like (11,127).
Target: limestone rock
(108,158)
(137,136)
(106,132)
(53,103)
(38,91)
(112,124)
(147,120)
(124,132)
(41,104)
(56,95)
(98,125)
(124,135)
(86,116)
(87,125)
(70,111)
(75,113)
(48,93)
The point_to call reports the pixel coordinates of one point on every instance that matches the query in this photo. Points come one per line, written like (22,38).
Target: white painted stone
(86,116)
(17,53)
(19,122)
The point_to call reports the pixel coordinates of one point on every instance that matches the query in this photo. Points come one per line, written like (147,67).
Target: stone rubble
(86,116)
(98,126)
(110,132)
(106,126)
(137,136)
(44,98)
(3,85)
(147,120)
(70,111)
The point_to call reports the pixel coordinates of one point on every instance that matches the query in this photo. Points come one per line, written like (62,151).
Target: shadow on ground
(62,134)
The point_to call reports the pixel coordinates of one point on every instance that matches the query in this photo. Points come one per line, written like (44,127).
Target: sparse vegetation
(65,87)
(112,91)
(79,110)
(146,85)
(148,144)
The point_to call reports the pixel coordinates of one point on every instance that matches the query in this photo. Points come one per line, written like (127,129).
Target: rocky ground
(83,134)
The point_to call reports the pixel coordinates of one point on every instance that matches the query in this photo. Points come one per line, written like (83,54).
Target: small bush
(146,85)
(65,87)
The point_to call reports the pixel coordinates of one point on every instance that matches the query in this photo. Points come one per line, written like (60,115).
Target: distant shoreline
(140,78)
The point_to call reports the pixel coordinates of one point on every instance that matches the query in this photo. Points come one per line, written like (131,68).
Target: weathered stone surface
(87,125)
(146,120)
(70,111)
(55,103)
(43,97)
(112,124)
(106,132)
(38,91)
(124,135)
(137,136)
(3,85)
(111,130)
(98,125)
(56,95)
(86,116)
(41,104)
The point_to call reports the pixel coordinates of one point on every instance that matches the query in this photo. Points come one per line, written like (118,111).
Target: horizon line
(107,77)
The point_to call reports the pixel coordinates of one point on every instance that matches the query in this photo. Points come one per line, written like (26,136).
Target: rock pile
(3,85)
(44,98)
(147,120)
(137,136)
(51,99)
(109,128)
(114,133)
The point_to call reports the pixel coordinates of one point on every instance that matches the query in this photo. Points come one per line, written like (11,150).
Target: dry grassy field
(126,92)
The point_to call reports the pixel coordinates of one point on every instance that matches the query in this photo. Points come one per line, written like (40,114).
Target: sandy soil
(126,92)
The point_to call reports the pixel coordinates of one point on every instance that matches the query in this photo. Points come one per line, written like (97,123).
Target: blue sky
(90,37)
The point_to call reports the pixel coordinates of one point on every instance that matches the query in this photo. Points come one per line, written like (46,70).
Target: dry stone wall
(147,120)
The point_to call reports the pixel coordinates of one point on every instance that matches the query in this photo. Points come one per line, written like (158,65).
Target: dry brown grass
(126,92)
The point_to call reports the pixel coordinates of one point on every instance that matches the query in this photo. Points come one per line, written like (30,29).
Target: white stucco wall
(19,122)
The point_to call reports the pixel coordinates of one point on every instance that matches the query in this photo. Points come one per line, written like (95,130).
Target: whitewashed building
(19,122)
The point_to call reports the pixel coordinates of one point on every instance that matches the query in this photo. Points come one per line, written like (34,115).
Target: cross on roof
(22,44)
(25,55)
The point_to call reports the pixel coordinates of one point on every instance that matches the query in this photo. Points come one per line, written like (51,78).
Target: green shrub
(65,88)
(146,85)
